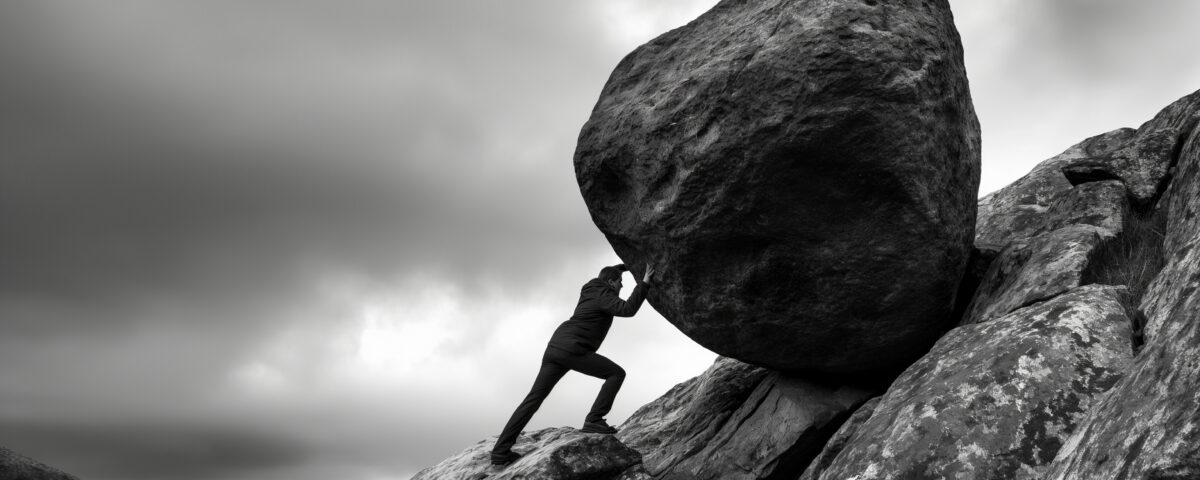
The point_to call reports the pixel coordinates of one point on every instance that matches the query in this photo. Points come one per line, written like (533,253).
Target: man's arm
(627,308)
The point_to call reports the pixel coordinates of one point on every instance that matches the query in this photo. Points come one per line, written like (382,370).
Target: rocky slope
(1026,398)
(1073,350)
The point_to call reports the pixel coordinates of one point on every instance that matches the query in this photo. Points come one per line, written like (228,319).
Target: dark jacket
(598,303)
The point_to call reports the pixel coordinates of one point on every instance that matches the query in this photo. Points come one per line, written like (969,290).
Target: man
(573,347)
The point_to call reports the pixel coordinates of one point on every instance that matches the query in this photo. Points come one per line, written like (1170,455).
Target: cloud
(1045,75)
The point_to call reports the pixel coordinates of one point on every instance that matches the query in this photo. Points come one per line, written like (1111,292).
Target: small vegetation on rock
(1132,259)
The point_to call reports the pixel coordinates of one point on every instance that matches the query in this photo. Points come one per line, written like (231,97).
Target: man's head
(612,275)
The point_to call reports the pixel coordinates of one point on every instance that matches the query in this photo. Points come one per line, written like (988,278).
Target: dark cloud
(143,163)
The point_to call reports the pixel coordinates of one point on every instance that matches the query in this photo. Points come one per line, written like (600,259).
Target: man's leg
(549,375)
(596,365)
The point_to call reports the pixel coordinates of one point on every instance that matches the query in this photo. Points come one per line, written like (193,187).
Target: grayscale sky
(306,240)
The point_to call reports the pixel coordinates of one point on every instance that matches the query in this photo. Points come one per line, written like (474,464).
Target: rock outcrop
(1149,425)
(14,466)
(550,454)
(738,422)
(802,174)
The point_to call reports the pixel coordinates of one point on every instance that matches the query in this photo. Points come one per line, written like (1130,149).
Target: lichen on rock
(995,399)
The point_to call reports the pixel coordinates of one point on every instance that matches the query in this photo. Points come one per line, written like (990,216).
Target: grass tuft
(1131,259)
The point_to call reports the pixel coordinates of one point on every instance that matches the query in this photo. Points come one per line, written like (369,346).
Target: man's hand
(649,272)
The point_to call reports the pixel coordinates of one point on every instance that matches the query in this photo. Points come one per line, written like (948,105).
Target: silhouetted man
(573,347)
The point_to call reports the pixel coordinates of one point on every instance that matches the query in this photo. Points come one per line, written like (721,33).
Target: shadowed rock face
(802,173)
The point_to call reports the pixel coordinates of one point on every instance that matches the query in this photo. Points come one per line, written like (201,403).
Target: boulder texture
(802,174)
(997,399)
(768,427)
(550,454)
(14,466)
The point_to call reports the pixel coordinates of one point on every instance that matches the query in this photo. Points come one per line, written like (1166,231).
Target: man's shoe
(598,427)
(505,458)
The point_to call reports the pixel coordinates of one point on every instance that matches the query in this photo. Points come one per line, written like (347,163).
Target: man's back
(588,326)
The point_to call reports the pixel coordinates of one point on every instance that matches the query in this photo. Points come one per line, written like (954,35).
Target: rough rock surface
(770,428)
(1140,159)
(14,466)
(1101,204)
(1048,232)
(1143,163)
(1182,198)
(693,410)
(995,399)
(839,440)
(1034,270)
(1018,211)
(803,175)
(550,454)
(1148,426)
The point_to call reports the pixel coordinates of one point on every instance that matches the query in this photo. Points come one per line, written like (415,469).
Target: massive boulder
(803,175)
(738,422)
(995,399)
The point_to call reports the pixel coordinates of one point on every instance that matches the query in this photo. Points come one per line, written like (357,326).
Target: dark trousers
(555,364)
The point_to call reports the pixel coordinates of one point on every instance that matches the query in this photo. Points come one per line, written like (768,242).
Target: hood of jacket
(594,288)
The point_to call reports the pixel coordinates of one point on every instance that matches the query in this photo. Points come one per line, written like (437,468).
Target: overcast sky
(310,240)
